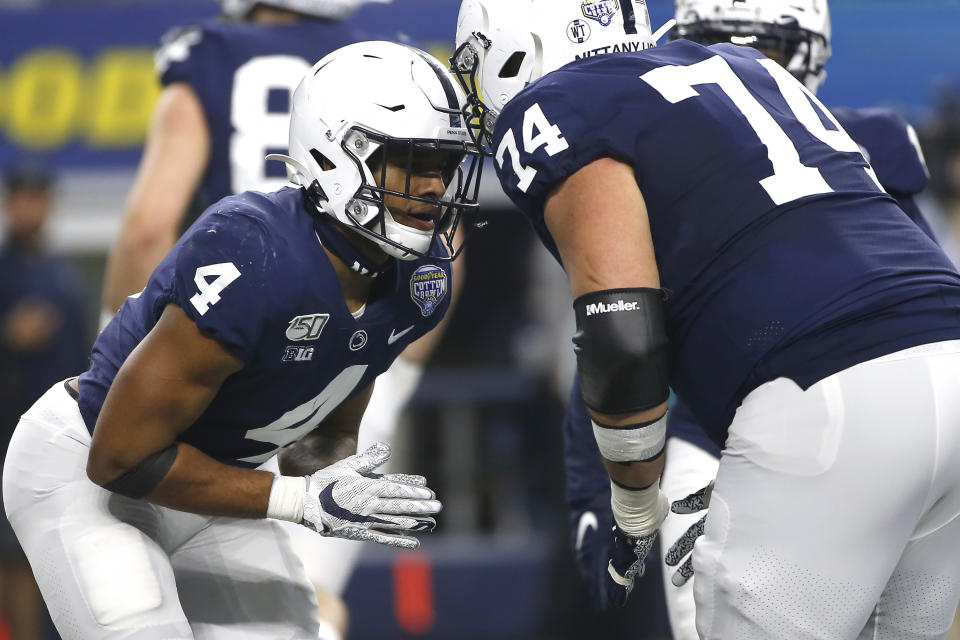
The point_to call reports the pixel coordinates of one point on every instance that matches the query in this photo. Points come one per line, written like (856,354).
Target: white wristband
(638,512)
(286,498)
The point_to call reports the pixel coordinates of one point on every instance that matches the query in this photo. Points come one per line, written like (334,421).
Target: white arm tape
(631,445)
(286,498)
(638,512)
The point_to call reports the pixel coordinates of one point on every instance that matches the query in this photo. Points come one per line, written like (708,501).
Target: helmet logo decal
(578,31)
(428,286)
(600,10)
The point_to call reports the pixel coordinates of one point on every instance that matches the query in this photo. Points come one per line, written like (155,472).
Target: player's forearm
(316,450)
(135,255)
(635,474)
(199,484)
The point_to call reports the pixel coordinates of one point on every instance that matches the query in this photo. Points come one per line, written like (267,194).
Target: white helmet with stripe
(362,104)
(504,45)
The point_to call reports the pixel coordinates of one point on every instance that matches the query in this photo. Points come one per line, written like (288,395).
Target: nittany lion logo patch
(600,10)
(428,285)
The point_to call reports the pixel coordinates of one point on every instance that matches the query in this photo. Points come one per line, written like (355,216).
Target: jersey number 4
(208,292)
(791,180)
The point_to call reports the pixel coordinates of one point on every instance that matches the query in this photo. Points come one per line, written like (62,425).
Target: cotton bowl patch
(428,285)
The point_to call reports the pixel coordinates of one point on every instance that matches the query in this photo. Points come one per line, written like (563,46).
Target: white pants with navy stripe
(835,512)
(111,567)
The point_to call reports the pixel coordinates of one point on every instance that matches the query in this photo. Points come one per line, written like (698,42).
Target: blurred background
(77,87)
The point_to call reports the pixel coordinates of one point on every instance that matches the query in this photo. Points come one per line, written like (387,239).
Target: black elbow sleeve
(143,478)
(622,349)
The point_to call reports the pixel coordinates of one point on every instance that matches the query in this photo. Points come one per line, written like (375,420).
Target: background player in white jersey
(224,107)
(266,324)
(722,232)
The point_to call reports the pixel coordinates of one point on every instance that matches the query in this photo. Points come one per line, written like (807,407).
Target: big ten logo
(51,97)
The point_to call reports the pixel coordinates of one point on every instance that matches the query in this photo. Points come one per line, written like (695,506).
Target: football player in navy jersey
(797,35)
(136,492)
(225,105)
(724,236)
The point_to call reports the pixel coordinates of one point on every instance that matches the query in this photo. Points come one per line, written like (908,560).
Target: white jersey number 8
(257,131)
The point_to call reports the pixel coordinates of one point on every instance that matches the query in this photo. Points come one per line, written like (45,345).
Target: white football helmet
(332,9)
(798,29)
(363,103)
(504,45)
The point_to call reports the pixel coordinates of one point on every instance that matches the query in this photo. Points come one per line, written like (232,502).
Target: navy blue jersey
(244,75)
(892,148)
(780,253)
(251,273)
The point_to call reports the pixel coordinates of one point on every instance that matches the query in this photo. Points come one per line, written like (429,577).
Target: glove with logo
(608,559)
(693,503)
(348,500)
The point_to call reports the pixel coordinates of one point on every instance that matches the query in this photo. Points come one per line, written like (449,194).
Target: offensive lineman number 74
(791,179)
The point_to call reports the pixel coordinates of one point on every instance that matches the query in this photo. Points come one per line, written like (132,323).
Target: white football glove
(348,500)
(693,503)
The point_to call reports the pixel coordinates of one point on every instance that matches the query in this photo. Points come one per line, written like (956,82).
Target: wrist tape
(286,498)
(638,512)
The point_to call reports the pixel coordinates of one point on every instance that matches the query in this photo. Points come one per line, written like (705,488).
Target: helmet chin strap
(401,234)
(333,240)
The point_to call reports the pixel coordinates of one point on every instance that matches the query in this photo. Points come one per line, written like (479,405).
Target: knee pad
(116,575)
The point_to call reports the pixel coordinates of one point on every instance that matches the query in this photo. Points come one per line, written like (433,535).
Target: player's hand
(693,503)
(608,559)
(348,500)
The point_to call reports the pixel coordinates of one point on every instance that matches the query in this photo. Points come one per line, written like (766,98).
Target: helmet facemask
(796,33)
(465,65)
(372,152)
(795,48)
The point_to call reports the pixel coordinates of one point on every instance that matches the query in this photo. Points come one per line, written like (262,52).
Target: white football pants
(111,567)
(834,515)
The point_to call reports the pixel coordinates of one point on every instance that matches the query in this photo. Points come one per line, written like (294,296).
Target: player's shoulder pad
(544,134)
(237,228)
(183,48)
(227,275)
(891,146)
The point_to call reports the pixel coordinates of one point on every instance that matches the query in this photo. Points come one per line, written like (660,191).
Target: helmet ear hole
(511,68)
(326,164)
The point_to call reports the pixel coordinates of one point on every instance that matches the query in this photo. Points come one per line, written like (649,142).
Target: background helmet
(798,29)
(504,45)
(362,103)
(333,9)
